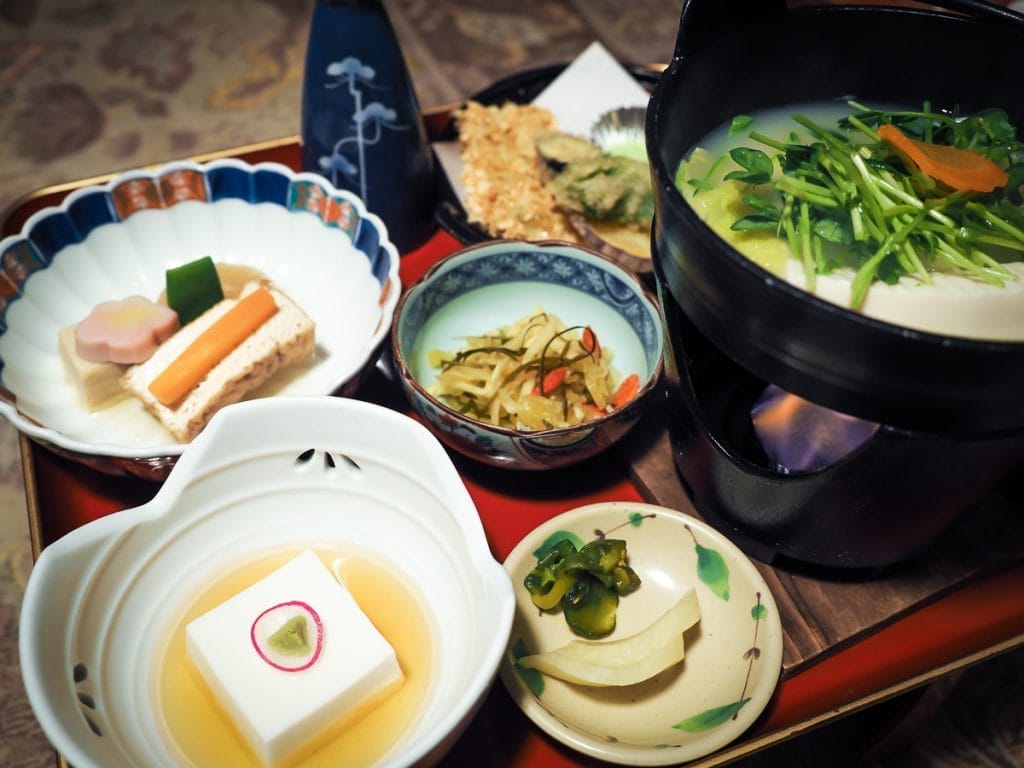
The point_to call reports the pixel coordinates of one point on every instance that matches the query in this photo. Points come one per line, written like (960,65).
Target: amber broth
(203,732)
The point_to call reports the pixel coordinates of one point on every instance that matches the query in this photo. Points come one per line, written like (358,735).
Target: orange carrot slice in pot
(958,168)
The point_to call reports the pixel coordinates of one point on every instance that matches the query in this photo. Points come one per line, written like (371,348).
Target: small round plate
(733,655)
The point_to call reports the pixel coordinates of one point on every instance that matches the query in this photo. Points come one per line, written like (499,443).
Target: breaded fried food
(502,176)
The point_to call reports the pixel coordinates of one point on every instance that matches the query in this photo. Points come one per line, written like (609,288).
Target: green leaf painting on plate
(634,519)
(716,716)
(711,718)
(758,613)
(711,568)
(533,679)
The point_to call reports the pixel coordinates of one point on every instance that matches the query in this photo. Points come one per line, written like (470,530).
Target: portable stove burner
(876,496)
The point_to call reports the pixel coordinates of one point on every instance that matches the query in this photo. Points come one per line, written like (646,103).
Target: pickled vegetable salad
(533,375)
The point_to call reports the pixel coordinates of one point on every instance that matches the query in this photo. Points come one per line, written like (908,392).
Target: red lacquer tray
(967,625)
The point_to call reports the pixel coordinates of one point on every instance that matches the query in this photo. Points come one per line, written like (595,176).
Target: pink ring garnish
(318,647)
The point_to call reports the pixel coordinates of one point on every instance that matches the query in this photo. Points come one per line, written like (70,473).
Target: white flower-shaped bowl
(266,475)
(494,284)
(317,243)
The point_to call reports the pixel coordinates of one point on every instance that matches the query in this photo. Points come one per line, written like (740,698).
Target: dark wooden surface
(823,612)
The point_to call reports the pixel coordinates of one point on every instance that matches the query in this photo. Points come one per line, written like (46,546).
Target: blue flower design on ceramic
(535,263)
(366,125)
(361,125)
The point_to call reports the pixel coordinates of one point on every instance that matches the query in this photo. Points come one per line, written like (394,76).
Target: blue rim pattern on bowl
(53,229)
(535,262)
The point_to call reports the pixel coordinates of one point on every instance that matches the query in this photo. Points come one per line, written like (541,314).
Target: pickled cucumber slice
(627,661)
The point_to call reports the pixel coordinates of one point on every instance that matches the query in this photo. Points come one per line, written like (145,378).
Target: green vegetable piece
(553,591)
(625,580)
(557,149)
(757,166)
(763,215)
(586,582)
(712,570)
(602,555)
(606,188)
(193,288)
(553,575)
(833,231)
(589,607)
(740,123)
(710,718)
(704,183)
(551,541)
(754,221)
(292,639)
(1016,181)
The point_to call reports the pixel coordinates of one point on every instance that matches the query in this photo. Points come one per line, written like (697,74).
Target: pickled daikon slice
(627,661)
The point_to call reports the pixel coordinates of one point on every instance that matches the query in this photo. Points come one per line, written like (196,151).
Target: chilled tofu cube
(292,658)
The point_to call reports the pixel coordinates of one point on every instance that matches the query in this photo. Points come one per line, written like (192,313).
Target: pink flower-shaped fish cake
(125,331)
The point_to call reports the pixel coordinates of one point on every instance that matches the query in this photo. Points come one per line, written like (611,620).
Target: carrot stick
(552,380)
(212,346)
(961,169)
(627,390)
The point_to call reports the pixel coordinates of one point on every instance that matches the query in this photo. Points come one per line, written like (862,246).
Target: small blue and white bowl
(493,284)
(317,243)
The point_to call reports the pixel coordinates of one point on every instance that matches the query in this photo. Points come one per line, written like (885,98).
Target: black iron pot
(952,409)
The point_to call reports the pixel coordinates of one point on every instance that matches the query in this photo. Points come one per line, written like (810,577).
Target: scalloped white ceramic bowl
(316,242)
(265,475)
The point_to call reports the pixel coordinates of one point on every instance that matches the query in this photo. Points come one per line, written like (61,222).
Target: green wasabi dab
(292,639)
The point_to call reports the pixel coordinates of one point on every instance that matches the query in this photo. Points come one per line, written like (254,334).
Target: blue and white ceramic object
(494,284)
(318,244)
(332,474)
(361,123)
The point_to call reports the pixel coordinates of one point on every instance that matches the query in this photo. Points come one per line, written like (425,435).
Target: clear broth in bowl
(202,732)
(945,300)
